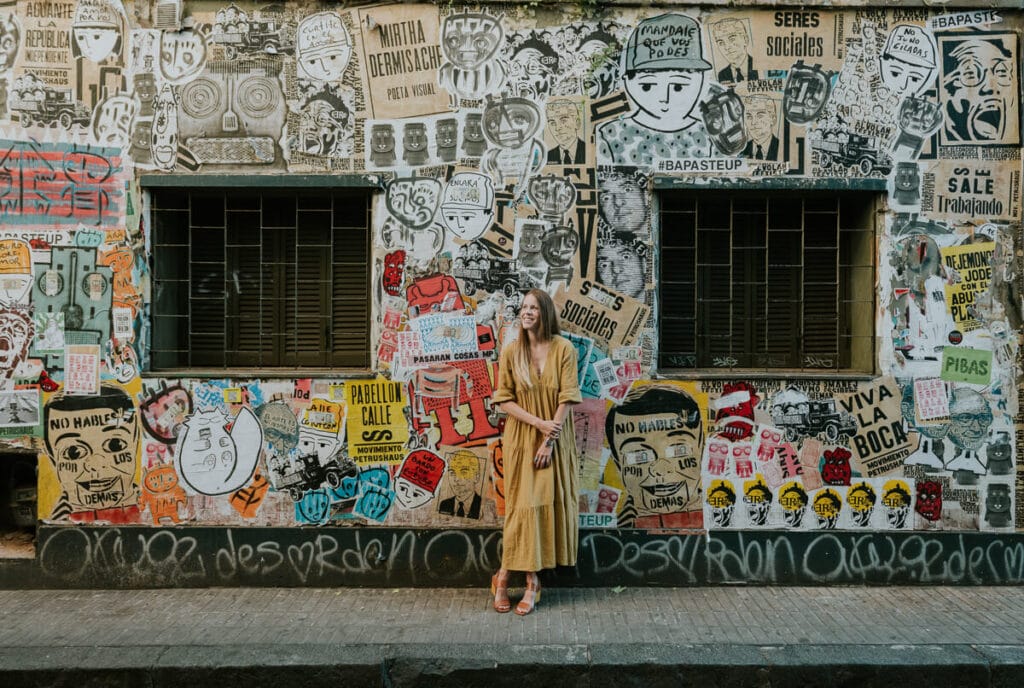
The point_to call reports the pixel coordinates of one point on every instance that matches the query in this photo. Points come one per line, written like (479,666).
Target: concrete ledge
(207,556)
(606,665)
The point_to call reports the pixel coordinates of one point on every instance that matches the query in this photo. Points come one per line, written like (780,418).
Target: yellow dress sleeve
(506,390)
(569,386)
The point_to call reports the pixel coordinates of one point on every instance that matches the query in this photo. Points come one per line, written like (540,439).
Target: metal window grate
(754,281)
(268,279)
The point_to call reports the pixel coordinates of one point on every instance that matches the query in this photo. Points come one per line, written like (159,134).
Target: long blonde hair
(547,327)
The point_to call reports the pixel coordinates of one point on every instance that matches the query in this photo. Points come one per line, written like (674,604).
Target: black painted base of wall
(105,557)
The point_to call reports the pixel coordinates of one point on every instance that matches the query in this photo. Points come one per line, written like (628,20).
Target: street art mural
(509,149)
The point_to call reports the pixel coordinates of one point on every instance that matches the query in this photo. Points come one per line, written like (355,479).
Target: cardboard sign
(749,47)
(611,318)
(402,52)
(881,442)
(973,366)
(377,428)
(961,190)
(973,67)
(973,266)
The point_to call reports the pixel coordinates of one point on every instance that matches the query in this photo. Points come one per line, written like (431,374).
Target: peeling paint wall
(512,148)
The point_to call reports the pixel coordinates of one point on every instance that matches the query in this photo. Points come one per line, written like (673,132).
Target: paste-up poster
(377,428)
(588,424)
(46,54)
(462,490)
(980,94)
(720,504)
(971,268)
(597,507)
(881,442)
(71,59)
(20,413)
(82,369)
(755,50)
(402,53)
(595,310)
(412,143)
(931,400)
(566,136)
(656,440)
(961,190)
(963,364)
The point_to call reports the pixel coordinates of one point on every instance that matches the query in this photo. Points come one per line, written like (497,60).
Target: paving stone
(707,637)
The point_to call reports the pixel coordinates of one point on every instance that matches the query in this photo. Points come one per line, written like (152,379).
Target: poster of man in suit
(732,43)
(760,120)
(565,124)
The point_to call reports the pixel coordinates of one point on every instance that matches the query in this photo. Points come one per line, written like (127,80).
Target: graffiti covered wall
(514,149)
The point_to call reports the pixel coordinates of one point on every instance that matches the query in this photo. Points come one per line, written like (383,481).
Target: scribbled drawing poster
(60,184)
(377,426)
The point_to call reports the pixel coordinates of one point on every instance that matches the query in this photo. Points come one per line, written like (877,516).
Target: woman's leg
(532,595)
(499,589)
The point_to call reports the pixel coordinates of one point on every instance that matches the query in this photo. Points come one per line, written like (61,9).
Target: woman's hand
(542,459)
(549,428)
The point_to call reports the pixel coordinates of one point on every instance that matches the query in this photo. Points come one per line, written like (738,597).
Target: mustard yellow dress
(541,505)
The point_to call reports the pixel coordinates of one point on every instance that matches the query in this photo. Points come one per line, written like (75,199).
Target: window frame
(323,186)
(875,198)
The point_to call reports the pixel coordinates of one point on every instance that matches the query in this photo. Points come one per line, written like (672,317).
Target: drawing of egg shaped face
(182,55)
(806,92)
(161,479)
(323,47)
(510,122)
(470,39)
(112,120)
(410,495)
(95,42)
(723,116)
(906,176)
(212,461)
(10,30)
(164,130)
(206,454)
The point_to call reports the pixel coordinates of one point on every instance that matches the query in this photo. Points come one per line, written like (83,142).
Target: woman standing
(537,385)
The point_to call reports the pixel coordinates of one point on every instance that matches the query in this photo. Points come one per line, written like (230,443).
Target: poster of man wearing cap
(908,61)
(663,71)
(97,30)
(323,47)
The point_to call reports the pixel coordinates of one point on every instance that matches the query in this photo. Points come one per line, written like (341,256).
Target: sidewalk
(722,636)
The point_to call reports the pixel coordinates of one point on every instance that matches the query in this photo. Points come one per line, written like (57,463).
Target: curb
(606,665)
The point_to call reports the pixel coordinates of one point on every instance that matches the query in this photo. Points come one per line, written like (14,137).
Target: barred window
(260,278)
(751,280)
